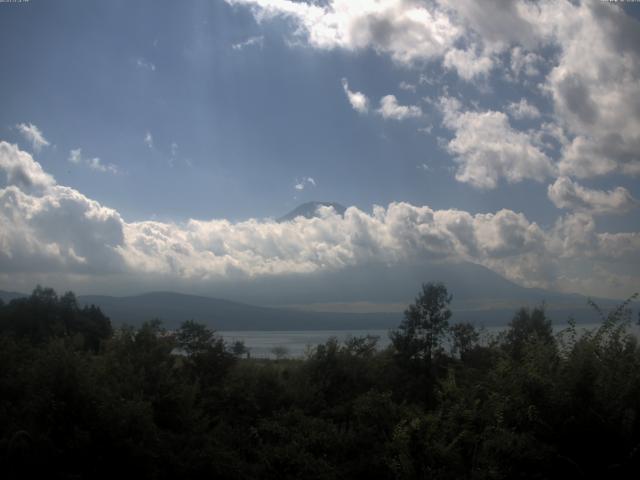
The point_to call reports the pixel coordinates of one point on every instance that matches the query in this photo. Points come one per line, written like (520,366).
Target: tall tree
(425,324)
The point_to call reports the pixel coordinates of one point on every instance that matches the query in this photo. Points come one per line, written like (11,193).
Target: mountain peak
(310,210)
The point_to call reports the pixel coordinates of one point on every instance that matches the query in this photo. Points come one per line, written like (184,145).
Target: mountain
(6,297)
(310,210)
(477,291)
(174,308)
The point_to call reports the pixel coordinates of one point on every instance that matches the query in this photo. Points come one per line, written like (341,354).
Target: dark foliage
(44,315)
(78,400)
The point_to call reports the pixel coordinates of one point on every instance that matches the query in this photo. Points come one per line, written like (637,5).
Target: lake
(296,343)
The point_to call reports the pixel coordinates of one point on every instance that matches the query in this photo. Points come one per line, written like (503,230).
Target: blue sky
(170,111)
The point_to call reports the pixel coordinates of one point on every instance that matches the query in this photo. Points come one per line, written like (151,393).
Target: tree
(239,349)
(280,352)
(195,338)
(528,327)
(43,316)
(464,337)
(425,324)
(207,356)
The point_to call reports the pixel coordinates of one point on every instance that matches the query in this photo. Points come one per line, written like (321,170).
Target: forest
(82,399)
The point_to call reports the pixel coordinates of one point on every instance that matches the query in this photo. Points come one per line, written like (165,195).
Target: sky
(154,142)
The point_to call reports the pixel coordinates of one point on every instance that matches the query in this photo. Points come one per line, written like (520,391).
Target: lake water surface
(297,343)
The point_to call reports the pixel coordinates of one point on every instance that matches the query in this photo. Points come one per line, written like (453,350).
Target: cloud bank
(97,241)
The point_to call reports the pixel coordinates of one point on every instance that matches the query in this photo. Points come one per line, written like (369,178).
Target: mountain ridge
(226,315)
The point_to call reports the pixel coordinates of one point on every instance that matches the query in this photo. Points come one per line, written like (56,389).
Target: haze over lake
(297,344)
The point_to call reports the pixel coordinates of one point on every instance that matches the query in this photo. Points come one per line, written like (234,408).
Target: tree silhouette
(425,324)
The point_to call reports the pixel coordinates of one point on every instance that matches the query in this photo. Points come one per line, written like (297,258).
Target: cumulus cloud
(21,170)
(498,23)
(409,32)
(36,243)
(97,241)
(358,100)
(523,63)
(145,64)
(33,135)
(487,148)
(257,41)
(592,80)
(96,164)
(75,156)
(523,109)
(467,63)
(584,55)
(148,139)
(391,109)
(33,208)
(302,183)
(595,88)
(409,87)
(565,193)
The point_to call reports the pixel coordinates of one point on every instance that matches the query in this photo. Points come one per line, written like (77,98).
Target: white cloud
(585,51)
(565,193)
(75,156)
(145,64)
(487,148)
(409,32)
(97,242)
(406,86)
(148,139)
(36,242)
(249,42)
(358,100)
(301,184)
(523,109)
(21,170)
(33,208)
(524,63)
(390,109)
(96,164)
(595,87)
(467,63)
(33,135)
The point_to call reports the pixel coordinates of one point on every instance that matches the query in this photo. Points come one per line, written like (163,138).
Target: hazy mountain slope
(472,286)
(8,296)
(174,308)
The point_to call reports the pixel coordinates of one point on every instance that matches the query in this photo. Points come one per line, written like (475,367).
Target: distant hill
(174,308)
(310,210)
(6,297)
(478,293)
(321,301)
